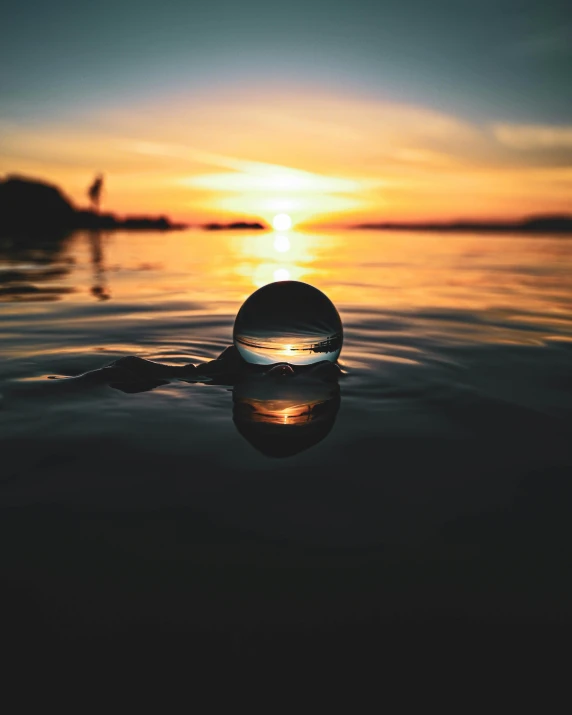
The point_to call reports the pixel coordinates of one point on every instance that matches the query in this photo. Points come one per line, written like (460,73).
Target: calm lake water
(436,486)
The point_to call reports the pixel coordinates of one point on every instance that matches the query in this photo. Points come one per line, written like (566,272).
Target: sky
(331,112)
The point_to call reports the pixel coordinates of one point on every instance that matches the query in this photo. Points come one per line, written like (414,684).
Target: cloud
(310,156)
(263,188)
(250,175)
(533,136)
(284,179)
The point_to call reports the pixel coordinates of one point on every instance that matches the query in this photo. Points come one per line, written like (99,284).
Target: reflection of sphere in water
(283,417)
(288,321)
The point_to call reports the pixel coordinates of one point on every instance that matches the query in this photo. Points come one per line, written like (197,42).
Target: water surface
(438,474)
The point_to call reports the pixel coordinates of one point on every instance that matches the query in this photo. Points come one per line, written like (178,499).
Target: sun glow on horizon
(282,222)
(339,159)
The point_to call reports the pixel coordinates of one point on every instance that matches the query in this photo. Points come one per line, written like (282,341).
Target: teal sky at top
(507,59)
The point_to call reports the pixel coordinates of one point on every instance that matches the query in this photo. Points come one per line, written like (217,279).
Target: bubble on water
(288,321)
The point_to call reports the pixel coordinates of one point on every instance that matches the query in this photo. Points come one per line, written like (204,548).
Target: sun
(282,222)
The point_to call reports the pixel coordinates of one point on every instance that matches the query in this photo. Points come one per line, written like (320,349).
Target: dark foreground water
(435,488)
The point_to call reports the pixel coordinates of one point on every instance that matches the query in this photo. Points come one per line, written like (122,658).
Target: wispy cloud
(251,175)
(533,136)
(263,188)
(316,157)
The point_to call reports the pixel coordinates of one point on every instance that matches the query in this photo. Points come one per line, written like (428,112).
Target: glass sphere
(288,321)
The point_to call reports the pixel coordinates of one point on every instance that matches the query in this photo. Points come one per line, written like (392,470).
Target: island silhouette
(31,206)
(548,223)
(235,226)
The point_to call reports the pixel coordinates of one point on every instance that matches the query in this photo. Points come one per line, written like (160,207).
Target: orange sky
(319,157)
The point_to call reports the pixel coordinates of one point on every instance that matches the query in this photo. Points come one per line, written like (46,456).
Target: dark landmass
(31,206)
(532,224)
(237,225)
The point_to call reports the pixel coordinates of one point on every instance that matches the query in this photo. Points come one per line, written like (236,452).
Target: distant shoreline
(31,206)
(34,206)
(561,224)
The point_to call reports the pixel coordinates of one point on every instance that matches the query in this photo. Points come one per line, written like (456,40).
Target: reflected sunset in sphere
(281,274)
(288,321)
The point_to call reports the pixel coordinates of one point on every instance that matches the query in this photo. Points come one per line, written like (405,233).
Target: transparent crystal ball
(288,321)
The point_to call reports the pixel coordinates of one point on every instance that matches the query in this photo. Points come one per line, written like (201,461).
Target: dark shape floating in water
(288,321)
(280,409)
(532,224)
(30,206)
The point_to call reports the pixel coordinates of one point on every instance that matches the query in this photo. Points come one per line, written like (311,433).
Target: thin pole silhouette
(94,192)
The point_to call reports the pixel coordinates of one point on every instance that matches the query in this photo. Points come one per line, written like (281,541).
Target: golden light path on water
(501,284)
(386,270)
(279,256)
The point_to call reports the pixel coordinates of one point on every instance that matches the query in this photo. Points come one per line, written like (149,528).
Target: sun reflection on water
(281,243)
(505,284)
(281,274)
(278,256)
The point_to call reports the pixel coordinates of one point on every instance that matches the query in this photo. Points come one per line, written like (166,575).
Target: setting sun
(282,222)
